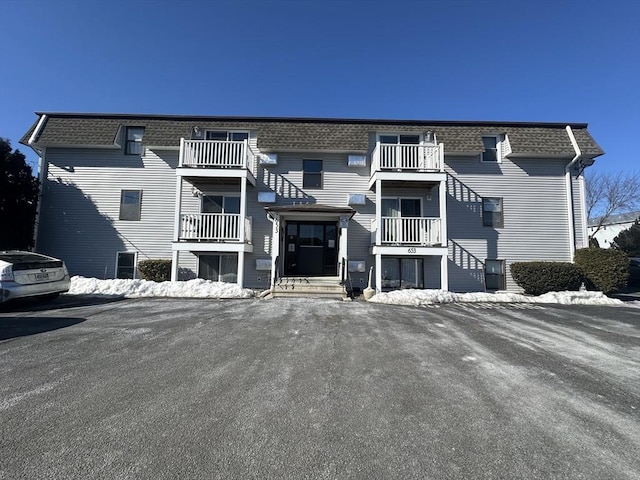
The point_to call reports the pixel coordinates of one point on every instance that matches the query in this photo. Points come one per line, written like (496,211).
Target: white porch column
(240,278)
(175,255)
(378,212)
(444,273)
(178,209)
(378,286)
(243,208)
(275,246)
(442,200)
(176,229)
(342,246)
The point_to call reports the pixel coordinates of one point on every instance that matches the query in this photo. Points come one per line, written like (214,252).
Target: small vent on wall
(357,265)
(356,199)
(269,159)
(263,264)
(357,161)
(266,197)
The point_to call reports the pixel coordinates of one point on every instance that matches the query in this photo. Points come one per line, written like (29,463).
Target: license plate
(42,276)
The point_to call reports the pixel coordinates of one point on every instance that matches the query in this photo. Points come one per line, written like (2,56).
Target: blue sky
(537,60)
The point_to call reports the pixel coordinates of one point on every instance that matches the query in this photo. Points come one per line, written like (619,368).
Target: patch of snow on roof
(197,288)
(428,297)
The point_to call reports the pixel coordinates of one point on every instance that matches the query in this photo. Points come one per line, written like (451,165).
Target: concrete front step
(306,287)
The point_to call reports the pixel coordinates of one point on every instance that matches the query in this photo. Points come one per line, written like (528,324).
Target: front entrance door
(311,249)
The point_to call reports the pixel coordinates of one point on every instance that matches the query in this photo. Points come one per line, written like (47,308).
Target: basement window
(494,277)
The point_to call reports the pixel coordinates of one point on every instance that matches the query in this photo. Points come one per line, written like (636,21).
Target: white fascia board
(408,251)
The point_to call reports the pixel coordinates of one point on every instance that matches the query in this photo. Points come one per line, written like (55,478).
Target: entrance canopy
(314,209)
(309,240)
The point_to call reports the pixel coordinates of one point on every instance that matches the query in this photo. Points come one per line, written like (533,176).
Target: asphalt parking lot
(182,389)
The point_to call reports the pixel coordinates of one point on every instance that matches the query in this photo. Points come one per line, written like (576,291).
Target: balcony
(407,231)
(412,158)
(404,162)
(214,227)
(215,154)
(216,158)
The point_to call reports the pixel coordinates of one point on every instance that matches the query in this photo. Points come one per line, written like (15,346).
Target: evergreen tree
(18,199)
(628,240)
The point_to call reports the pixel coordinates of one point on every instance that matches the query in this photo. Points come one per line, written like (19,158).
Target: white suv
(28,274)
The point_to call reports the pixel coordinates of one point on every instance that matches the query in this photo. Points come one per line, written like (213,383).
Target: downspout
(42,172)
(569,190)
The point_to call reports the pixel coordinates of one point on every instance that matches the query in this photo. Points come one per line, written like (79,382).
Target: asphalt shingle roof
(279,134)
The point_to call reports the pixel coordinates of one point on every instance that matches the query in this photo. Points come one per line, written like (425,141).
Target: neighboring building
(611,227)
(269,201)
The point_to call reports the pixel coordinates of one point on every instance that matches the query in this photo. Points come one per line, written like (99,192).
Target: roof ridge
(295,119)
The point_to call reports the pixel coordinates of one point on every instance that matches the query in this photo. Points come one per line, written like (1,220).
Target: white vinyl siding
(79,219)
(535,216)
(339,179)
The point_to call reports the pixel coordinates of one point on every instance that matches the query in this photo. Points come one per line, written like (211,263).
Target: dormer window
(226,136)
(134,140)
(491,152)
(391,139)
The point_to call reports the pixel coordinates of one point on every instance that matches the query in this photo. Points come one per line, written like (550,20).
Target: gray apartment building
(271,203)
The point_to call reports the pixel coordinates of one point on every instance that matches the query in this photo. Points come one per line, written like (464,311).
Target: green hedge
(155,270)
(605,270)
(537,278)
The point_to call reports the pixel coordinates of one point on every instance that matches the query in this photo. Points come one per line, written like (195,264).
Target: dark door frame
(292,251)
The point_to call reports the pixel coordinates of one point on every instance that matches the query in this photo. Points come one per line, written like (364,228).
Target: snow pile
(429,297)
(197,288)
(200,288)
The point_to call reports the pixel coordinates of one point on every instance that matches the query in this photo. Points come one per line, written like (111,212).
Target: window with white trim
(399,139)
(312,174)
(134,140)
(492,212)
(398,273)
(226,135)
(220,204)
(494,277)
(491,152)
(130,204)
(126,264)
(219,268)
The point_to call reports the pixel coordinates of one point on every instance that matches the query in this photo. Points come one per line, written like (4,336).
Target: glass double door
(311,249)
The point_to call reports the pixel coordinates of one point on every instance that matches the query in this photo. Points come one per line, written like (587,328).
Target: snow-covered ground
(429,297)
(199,288)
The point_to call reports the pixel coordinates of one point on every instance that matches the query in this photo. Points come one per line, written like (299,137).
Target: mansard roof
(306,134)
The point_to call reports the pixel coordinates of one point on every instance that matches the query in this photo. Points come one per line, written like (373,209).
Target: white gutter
(36,131)
(42,172)
(569,189)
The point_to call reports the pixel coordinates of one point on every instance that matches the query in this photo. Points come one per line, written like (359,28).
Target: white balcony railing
(217,227)
(411,231)
(408,157)
(216,154)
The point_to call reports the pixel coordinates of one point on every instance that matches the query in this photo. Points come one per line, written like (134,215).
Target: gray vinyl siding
(535,216)
(81,199)
(285,179)
(79,218)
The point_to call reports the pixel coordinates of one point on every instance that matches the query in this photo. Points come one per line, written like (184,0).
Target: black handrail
(343,271)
